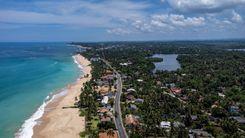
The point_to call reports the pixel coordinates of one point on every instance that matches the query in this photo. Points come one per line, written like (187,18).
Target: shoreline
(54,121)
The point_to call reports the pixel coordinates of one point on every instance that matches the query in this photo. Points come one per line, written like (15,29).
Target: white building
(105,100)
(165,124)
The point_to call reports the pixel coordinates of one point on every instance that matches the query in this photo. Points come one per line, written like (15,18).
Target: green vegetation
(211,82)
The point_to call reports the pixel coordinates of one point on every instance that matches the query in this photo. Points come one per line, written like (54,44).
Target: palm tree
(110,133)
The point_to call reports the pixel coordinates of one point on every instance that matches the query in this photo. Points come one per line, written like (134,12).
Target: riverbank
(57,122)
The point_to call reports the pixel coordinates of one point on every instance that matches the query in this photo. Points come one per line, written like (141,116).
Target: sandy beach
(64,123)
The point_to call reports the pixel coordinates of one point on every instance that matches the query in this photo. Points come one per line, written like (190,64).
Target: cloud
(204,6)
(118,31)
(236,17)
(82,13)
(159,23)
(142,26)
(164,20)
(162,1)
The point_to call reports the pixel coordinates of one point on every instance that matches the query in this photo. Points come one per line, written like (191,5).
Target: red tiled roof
(176,90)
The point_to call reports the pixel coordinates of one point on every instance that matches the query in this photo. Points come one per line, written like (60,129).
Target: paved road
(117,108)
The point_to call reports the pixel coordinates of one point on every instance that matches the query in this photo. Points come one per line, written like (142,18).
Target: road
(117,108)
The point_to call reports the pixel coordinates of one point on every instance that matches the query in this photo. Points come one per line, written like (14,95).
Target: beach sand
(64,123)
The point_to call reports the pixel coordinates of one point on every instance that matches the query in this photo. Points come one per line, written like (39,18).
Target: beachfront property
(105,100)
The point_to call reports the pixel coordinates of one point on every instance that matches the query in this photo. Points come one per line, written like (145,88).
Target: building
(105,100)
(139,100)
(131,90)
(234,109)
(133,107)
(176,91)
(139,80)
(239,119)
(103,110)
(130,97)
(199,133)
(94,59)
(131,120)
(165,124)
(105,119)
(221,95)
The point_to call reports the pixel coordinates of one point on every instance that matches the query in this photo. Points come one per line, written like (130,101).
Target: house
(108,106)
(110,95)
(108,72)
(221,95)
(105,119)
(107,77)
(130,97)
(131,120)
(131,90)
(171,85)
(133,107)
(234,109)
(199,133)
(139,80)
(178,124)
(193,90)
(94,59)
(176,91)
(105,100)
(183,74)
(193,117)
(165,124)
(139,100)
(159,83)
(239,119)
(103,110)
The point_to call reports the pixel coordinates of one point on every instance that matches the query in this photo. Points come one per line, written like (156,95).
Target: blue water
(169,63)
(28,73)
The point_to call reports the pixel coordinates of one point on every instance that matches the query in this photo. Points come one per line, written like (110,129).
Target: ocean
(29,74)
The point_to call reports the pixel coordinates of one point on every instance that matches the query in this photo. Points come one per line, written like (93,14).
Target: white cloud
(159,23)
(204,6)
(118,31)
(142,26)
(164,20)
(162,1)
(83,13)
(236,17)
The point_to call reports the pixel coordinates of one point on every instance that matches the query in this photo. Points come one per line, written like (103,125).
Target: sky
(120,20)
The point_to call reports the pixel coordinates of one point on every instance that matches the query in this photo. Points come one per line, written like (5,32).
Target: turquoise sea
(29,72)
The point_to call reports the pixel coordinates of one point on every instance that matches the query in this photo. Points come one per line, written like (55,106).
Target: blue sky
(116,20)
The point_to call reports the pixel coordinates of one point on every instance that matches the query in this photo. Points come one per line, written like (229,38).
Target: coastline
(55,121)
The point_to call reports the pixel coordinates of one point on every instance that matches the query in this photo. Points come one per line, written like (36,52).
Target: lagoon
(169,63)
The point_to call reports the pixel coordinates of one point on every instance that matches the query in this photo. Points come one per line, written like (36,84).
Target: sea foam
(26,130)
(75,60)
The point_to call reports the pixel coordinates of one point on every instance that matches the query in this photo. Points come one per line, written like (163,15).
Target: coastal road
(117,108)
